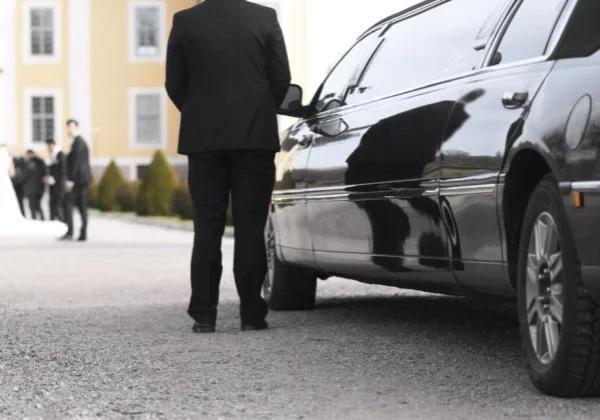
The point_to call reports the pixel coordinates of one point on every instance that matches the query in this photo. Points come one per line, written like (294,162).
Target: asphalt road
(99,330)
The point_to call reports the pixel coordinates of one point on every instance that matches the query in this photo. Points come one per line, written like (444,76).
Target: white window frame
(162,31)
(133,94)
(28,57)
(28,95)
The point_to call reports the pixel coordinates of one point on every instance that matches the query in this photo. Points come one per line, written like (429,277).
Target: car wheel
(559,321)
(286,287)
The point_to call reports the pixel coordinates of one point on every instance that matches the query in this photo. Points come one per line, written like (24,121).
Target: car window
(433,45)
(491,24)
(530,29)
(331,94)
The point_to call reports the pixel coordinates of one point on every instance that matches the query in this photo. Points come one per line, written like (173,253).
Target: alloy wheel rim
(544,288)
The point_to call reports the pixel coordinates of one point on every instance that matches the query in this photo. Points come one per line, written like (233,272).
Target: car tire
(286,287)
(559,322)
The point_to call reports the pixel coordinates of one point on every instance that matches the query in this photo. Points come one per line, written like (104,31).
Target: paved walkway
(99,330)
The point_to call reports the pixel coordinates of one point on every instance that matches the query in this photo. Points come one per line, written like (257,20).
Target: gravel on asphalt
(100,330)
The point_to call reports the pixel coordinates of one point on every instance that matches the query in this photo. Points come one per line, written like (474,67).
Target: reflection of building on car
(481,178)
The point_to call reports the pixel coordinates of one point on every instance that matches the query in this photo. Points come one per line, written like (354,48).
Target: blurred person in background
(12,222)
(79,177)
(56,179)
(35,172)
(18,180)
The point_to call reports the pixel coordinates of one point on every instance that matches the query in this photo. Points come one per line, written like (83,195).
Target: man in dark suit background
(57,178)
(228,72)
(79,177)
(18,181)
(34,184)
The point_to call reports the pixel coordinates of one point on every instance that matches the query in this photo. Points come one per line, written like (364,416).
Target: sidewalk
(162,222)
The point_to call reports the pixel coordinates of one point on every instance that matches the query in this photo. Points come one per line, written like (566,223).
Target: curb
(165,224)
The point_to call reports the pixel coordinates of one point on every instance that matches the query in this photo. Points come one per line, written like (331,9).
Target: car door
(373,172)
(289,199)
(472,156)
(294,237)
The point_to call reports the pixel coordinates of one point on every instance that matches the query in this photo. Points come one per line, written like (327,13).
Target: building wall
(34,76)
(94,76)
(114,75)
(8,62)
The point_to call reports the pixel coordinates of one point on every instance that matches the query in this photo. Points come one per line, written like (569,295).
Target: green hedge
(182,202)
(126,196)
(156,189)
(111,182)
(183,207)
(93,195)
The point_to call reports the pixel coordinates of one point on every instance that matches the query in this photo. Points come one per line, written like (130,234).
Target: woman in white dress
(12,222)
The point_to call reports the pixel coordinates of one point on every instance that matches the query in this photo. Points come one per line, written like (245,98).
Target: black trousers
(20,197)
(249,177)
(35,206)
(77,197)
(57,203)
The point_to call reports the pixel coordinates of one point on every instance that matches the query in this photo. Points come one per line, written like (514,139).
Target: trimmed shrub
(183,207)
(93,195)
(111,182)
(156,189)
(182,202)
(126,196)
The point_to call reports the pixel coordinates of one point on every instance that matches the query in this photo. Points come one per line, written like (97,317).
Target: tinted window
(334,88)
(430,46)
(583,34)
(529,31)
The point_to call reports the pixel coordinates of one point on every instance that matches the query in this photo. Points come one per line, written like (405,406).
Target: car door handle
(306,140)
(514,100)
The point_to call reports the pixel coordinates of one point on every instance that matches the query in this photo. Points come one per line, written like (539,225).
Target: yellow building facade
(101,62)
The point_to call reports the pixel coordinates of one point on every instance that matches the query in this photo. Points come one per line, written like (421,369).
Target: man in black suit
(57,179)
(79,177)
(18,181)
(228,72)
(35,171)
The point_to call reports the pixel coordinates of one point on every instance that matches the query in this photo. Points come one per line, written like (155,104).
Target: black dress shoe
(255,326)
(82,238)
(67,237)
(203,328)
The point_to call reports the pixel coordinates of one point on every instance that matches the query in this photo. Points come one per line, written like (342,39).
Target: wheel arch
(524,169)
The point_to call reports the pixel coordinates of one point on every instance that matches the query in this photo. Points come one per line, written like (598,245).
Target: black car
(455,149)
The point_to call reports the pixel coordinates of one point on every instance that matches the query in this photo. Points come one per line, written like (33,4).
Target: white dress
(12,222)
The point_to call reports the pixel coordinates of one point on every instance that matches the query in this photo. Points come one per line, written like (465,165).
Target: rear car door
(472,155)
(373,173)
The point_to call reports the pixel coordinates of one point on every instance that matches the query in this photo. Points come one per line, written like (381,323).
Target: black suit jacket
(227,72)
(34,177)
(79,170)
(58,170)
(20,172)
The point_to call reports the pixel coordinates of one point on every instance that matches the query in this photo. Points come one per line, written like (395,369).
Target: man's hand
(69,186)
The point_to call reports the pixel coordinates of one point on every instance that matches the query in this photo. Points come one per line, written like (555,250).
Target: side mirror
(333,104)
(292,104)
(497,59)
(332,128)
